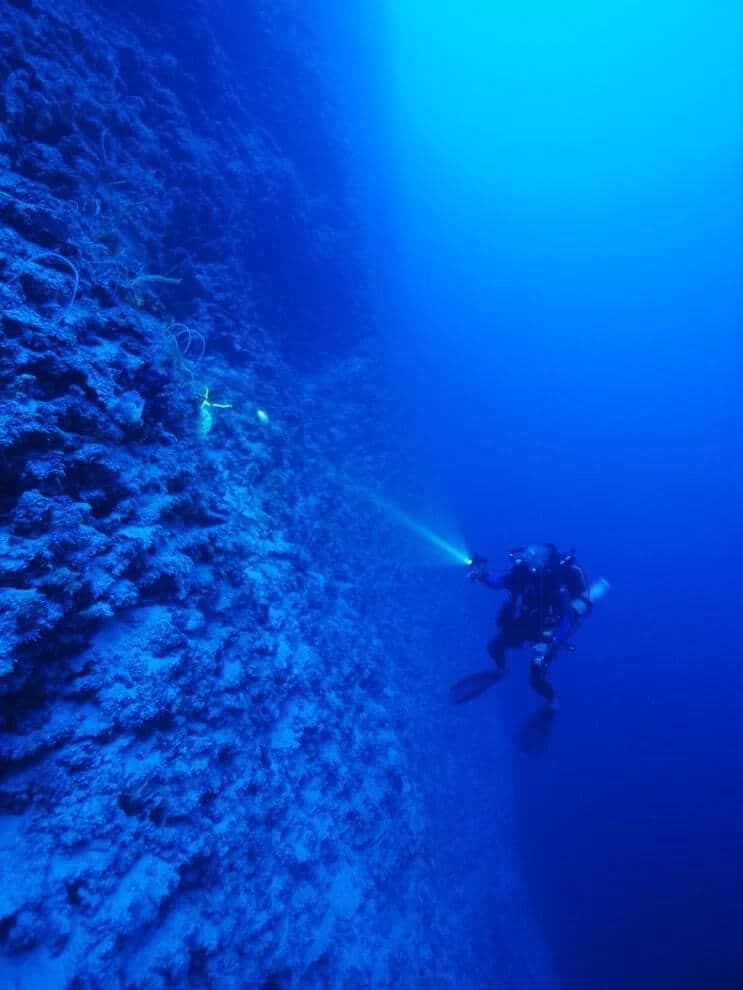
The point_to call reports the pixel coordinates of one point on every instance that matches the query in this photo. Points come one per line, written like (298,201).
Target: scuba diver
(548,596)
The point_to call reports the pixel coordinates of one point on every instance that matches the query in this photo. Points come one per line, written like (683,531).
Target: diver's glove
(476,568)
(475,573)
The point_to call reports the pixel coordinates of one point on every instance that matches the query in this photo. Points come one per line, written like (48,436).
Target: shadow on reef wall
(204,778)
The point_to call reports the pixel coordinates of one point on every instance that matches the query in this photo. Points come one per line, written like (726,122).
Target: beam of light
(455,553)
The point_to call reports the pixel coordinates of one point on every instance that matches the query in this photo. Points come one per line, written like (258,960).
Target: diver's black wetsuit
(543,589)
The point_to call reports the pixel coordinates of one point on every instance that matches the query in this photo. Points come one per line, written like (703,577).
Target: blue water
(554,194)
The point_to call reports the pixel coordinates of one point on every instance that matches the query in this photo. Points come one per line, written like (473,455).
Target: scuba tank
(597,590)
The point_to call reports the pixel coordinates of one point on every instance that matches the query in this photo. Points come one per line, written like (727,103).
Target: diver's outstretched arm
(498,582)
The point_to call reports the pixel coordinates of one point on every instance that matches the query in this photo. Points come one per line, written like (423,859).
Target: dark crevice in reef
(203,778)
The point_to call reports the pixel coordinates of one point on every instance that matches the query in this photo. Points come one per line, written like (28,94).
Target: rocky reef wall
(204,772)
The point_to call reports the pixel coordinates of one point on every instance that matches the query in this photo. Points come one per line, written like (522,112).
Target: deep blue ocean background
(554,194)
(483,264)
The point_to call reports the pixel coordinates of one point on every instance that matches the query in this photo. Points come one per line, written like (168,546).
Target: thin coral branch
(184,336)
(58,257)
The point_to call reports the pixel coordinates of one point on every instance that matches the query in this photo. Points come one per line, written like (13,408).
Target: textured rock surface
(204,781)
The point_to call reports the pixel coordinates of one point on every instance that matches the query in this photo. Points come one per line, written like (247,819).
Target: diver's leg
(497,650)
(538,672)
(513,634)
